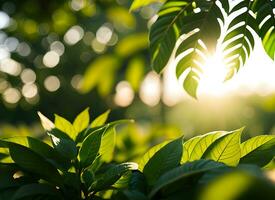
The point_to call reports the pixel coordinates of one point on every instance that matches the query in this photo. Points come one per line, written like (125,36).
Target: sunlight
(256,77)
(214,73)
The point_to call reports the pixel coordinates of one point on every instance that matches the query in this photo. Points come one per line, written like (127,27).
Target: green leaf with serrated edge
(167,158)
(180,176)
(101,119)
(194,148)
(34,163)
(82,121)
(226,149)
(90,147)
(112,175)
(65,126)
(149,154)
(31,190)
(259,150)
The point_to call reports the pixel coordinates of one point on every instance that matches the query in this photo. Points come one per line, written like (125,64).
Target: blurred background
(63,56)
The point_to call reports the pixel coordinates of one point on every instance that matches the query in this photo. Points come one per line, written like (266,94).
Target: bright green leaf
(226,149)
(101,119)
(194,148)
(82,121)
(258,150)
(65,126)
(141,3)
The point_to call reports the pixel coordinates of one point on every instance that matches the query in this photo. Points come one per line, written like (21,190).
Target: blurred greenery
(62,56)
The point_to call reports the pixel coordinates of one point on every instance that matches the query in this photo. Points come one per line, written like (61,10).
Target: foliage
(74,166)
(190,31)
(77,164)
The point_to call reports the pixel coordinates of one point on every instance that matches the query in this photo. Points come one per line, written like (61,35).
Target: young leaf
(90,147)
(46,123)
(258,150)
(180,176)
(194,148)
(168,157)
(65,126)
(82,121)
(31,191)
(34,163)
(112,175)
(101,119)
(226,149)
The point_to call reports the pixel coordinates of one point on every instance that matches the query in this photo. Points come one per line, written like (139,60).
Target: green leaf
(258,150)
(107,146)
(97,71)
(266,20)
(226,149)
(177,178)
(132,44)
(63,144)
(90,147)
(82,121)
(201,30)
(42,190)
(149,154)
(194,148)
(141,3)
(239,41)
(65,126)
(168,157)
(112,175)
(135,72)
(101,119)
(238,185)
(138,182)
(34,163)
(48,152)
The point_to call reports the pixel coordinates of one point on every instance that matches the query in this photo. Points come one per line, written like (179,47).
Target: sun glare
(256,77)
(214,73)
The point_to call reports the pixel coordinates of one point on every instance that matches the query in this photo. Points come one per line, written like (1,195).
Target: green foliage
(74,166)
(189,31)
(81,166)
